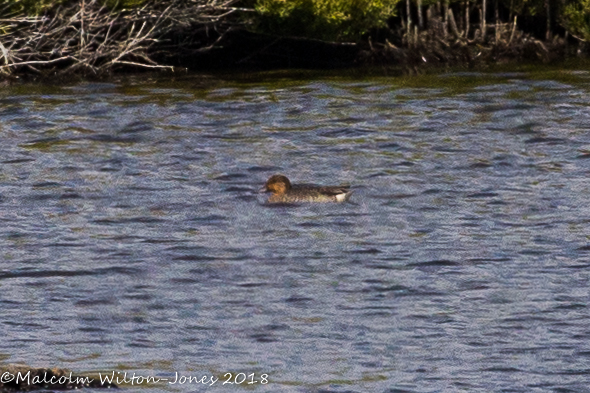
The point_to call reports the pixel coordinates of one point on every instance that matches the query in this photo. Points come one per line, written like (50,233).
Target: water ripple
(133,236)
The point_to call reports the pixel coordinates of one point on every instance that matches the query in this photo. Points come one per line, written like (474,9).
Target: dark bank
(40,38)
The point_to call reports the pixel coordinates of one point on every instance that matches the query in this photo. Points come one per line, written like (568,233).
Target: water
(132,237)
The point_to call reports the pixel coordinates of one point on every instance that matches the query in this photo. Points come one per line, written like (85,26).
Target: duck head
(277,184)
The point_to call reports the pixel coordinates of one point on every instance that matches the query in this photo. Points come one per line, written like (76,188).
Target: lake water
(133,239)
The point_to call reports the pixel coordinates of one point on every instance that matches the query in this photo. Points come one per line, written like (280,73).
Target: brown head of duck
(277,185)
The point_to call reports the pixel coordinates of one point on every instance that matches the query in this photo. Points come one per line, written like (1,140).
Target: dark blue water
(132,238)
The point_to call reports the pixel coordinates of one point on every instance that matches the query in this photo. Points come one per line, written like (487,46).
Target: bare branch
(145,65)
(94,38)
(36,62)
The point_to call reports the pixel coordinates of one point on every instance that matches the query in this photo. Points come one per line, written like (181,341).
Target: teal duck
(282,191)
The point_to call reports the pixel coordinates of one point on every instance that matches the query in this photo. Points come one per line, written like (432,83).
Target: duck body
(284,192)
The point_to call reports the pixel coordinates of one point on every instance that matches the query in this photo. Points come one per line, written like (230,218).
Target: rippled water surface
(132,237)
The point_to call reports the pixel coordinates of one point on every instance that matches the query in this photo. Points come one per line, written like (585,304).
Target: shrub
(576,18)
(323,19)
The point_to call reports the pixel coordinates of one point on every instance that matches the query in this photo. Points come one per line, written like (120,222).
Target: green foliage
(40,7)
(29,7)
(576,18)
(124,4)
(323,19)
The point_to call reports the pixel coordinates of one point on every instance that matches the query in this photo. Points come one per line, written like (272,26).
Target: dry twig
(89,37)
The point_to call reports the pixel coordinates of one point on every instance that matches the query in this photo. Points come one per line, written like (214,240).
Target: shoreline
(358,59)
(246,52)
(87,40)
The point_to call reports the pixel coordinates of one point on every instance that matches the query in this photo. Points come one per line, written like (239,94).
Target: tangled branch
(88,37)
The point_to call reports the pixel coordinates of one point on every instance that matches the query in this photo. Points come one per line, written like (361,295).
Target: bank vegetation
(97,37)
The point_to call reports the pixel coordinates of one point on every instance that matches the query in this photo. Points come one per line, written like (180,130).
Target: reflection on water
(132,237)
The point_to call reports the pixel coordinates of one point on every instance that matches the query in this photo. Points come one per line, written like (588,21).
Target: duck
(282,191)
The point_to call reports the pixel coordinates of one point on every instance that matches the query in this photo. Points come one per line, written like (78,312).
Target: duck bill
(263,190)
